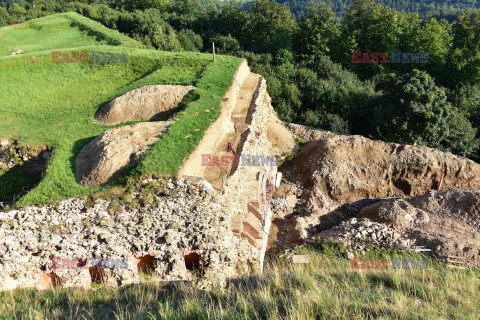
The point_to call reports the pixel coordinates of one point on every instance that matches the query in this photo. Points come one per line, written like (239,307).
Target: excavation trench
(230,144)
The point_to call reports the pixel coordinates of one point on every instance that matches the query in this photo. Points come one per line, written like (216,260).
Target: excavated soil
(446,222)
(153,102)
(104,159)
(280,138)
(215,134)
(216,175)
(339,174)
(337,169)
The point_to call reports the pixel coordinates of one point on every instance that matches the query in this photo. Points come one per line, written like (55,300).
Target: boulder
(104,159)
(153,102)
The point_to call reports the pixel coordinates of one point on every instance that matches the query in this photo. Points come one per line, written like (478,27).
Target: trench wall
(214,134)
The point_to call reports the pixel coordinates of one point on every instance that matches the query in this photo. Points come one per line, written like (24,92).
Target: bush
(226,44)
(4,17)
(190,41)
(325,121)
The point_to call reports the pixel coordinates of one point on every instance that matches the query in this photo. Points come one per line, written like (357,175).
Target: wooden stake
(213,45)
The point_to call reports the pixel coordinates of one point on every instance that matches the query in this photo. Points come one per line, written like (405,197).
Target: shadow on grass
(14,181)
(95,34)
(25,175)
(76,148)
(141,301)
(247,297)
(387,280)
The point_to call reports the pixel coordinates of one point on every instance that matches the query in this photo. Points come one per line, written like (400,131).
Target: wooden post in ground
(213,46)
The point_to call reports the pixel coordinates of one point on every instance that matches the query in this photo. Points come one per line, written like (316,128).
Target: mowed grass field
(53,104)
(325,288)
(66,30)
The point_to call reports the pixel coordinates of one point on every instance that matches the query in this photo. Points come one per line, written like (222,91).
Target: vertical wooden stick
(213,45)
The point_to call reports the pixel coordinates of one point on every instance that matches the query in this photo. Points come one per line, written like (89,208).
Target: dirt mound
(310,134)
(337,169)
(280,138)
(103,159)
(145,103)
(447,222)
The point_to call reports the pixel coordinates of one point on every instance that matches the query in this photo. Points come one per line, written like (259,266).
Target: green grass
(44,103)
(65,30)
(183,136)
(325,288)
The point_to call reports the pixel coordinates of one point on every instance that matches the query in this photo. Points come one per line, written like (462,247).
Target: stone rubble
(19,51)
(278,204)
(173,221)
(359,233)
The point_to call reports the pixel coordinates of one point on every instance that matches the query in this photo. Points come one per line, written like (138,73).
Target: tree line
(306,60)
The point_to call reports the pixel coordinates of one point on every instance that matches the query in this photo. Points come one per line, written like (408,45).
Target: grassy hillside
(45,103)
(60,31)
(326,288)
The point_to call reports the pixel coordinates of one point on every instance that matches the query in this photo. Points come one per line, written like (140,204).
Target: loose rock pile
(359,233)
(446,222)
(19,51)
(278,204)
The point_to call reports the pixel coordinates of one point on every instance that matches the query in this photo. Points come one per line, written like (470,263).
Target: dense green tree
(17,13)
(190,41)
(464,58)
(326,121)
(226,44)
(414,110)
(161,34)
(339,91)
(434,38)
(316,32)
(269,23)
(4,17)
(230,20)
(466,99)
(375,28)
(428,8)
(372,25)
(132,5)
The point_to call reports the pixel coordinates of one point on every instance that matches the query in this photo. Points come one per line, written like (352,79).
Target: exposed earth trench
(231,142)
